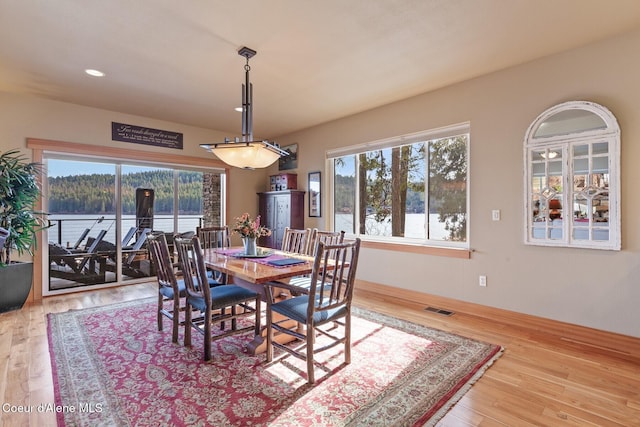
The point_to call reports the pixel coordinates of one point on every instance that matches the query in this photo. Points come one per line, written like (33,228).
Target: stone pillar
(211,203)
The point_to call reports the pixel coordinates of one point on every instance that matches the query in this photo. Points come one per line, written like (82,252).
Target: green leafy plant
(19,192)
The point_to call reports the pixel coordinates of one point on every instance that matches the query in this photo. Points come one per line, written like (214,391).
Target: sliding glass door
(81,207)
(101,213)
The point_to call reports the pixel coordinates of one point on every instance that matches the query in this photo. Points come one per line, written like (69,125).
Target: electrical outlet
(482,281)
(495,214)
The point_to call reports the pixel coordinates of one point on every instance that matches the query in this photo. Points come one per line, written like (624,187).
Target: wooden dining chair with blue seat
(215,237)
(300,284)
(328,301)
(295,240)
(325,236)
(171,289)
(216,304)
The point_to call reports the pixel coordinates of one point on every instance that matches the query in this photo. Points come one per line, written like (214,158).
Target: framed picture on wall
(315,187)
(290,161)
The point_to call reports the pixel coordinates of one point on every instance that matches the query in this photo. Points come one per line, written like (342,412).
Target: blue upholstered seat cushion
(211,277)
(302,282)
(296,309)
(213,282)
(223,296)
(167,291)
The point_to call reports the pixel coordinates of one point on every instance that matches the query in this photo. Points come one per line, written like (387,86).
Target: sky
(57,168)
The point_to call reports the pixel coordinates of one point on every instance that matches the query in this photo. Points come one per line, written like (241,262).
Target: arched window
(572,178)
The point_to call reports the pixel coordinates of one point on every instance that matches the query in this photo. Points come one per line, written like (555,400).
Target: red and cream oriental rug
(111,367)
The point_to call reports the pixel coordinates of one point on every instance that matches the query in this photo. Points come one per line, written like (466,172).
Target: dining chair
(212,302)
(295,240)
(300,284)
(170,288)
(325,236)
(215,238)
(328,302)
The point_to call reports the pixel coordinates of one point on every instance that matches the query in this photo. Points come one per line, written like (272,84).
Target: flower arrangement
(246,227)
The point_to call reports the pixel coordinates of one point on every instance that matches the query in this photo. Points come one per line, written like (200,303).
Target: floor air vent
(439,311)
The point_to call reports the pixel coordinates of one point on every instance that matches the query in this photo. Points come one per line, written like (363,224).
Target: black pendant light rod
(247,97)
(247,118)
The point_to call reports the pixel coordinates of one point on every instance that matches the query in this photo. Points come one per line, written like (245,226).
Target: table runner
(237,253)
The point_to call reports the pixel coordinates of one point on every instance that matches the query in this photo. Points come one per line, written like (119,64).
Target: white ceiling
(317,60)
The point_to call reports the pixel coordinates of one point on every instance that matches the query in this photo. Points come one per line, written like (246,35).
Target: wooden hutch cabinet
(280,209)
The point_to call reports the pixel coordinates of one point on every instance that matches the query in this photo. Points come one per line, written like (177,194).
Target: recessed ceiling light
(94,73)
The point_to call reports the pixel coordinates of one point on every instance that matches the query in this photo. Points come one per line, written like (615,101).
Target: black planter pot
(15,285)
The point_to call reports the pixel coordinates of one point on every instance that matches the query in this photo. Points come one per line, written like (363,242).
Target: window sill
(418,249)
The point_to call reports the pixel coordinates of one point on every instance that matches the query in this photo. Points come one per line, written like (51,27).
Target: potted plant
(19,223)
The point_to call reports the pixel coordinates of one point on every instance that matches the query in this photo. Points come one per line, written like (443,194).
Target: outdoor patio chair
(127,237)
(328,302)
(135,262)
(78,242)
(212,302)
(85,267)
(136,248)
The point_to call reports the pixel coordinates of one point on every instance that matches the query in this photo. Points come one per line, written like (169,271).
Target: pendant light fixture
(246,153)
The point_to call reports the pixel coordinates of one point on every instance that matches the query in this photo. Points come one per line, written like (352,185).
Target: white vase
(250,245)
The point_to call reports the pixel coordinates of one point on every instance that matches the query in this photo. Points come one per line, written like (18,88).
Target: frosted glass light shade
(252,155)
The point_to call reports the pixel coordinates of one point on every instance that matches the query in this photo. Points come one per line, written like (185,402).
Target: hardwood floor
(550,374)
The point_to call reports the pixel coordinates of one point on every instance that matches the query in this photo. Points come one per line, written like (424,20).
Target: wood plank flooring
(551,374)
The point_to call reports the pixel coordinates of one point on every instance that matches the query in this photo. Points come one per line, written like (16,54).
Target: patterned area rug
(111,367)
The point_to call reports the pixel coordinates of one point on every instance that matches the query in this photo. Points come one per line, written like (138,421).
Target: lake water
(72,226)
(414,226)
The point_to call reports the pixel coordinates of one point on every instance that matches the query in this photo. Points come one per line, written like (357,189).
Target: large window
(411,189)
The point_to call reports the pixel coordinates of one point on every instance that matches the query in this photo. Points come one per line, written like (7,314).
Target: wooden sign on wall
(148,136)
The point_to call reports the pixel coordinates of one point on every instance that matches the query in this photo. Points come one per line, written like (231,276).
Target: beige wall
(599,289)
(23,117)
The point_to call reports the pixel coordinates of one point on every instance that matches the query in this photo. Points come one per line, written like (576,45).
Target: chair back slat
(161,259)
(333,276)
(80,239)
(127,238)
(94,245)
(214,237)
(324,236)
(93,249)
(140,241)
(193,268)
(295,241)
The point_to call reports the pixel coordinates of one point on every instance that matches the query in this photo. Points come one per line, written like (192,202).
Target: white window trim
(392,241)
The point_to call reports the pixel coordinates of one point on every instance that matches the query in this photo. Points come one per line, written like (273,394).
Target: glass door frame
(42,149)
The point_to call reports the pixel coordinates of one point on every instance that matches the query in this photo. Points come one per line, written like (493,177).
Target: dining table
(267,272)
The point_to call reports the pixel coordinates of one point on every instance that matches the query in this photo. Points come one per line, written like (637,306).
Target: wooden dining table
(255,273)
